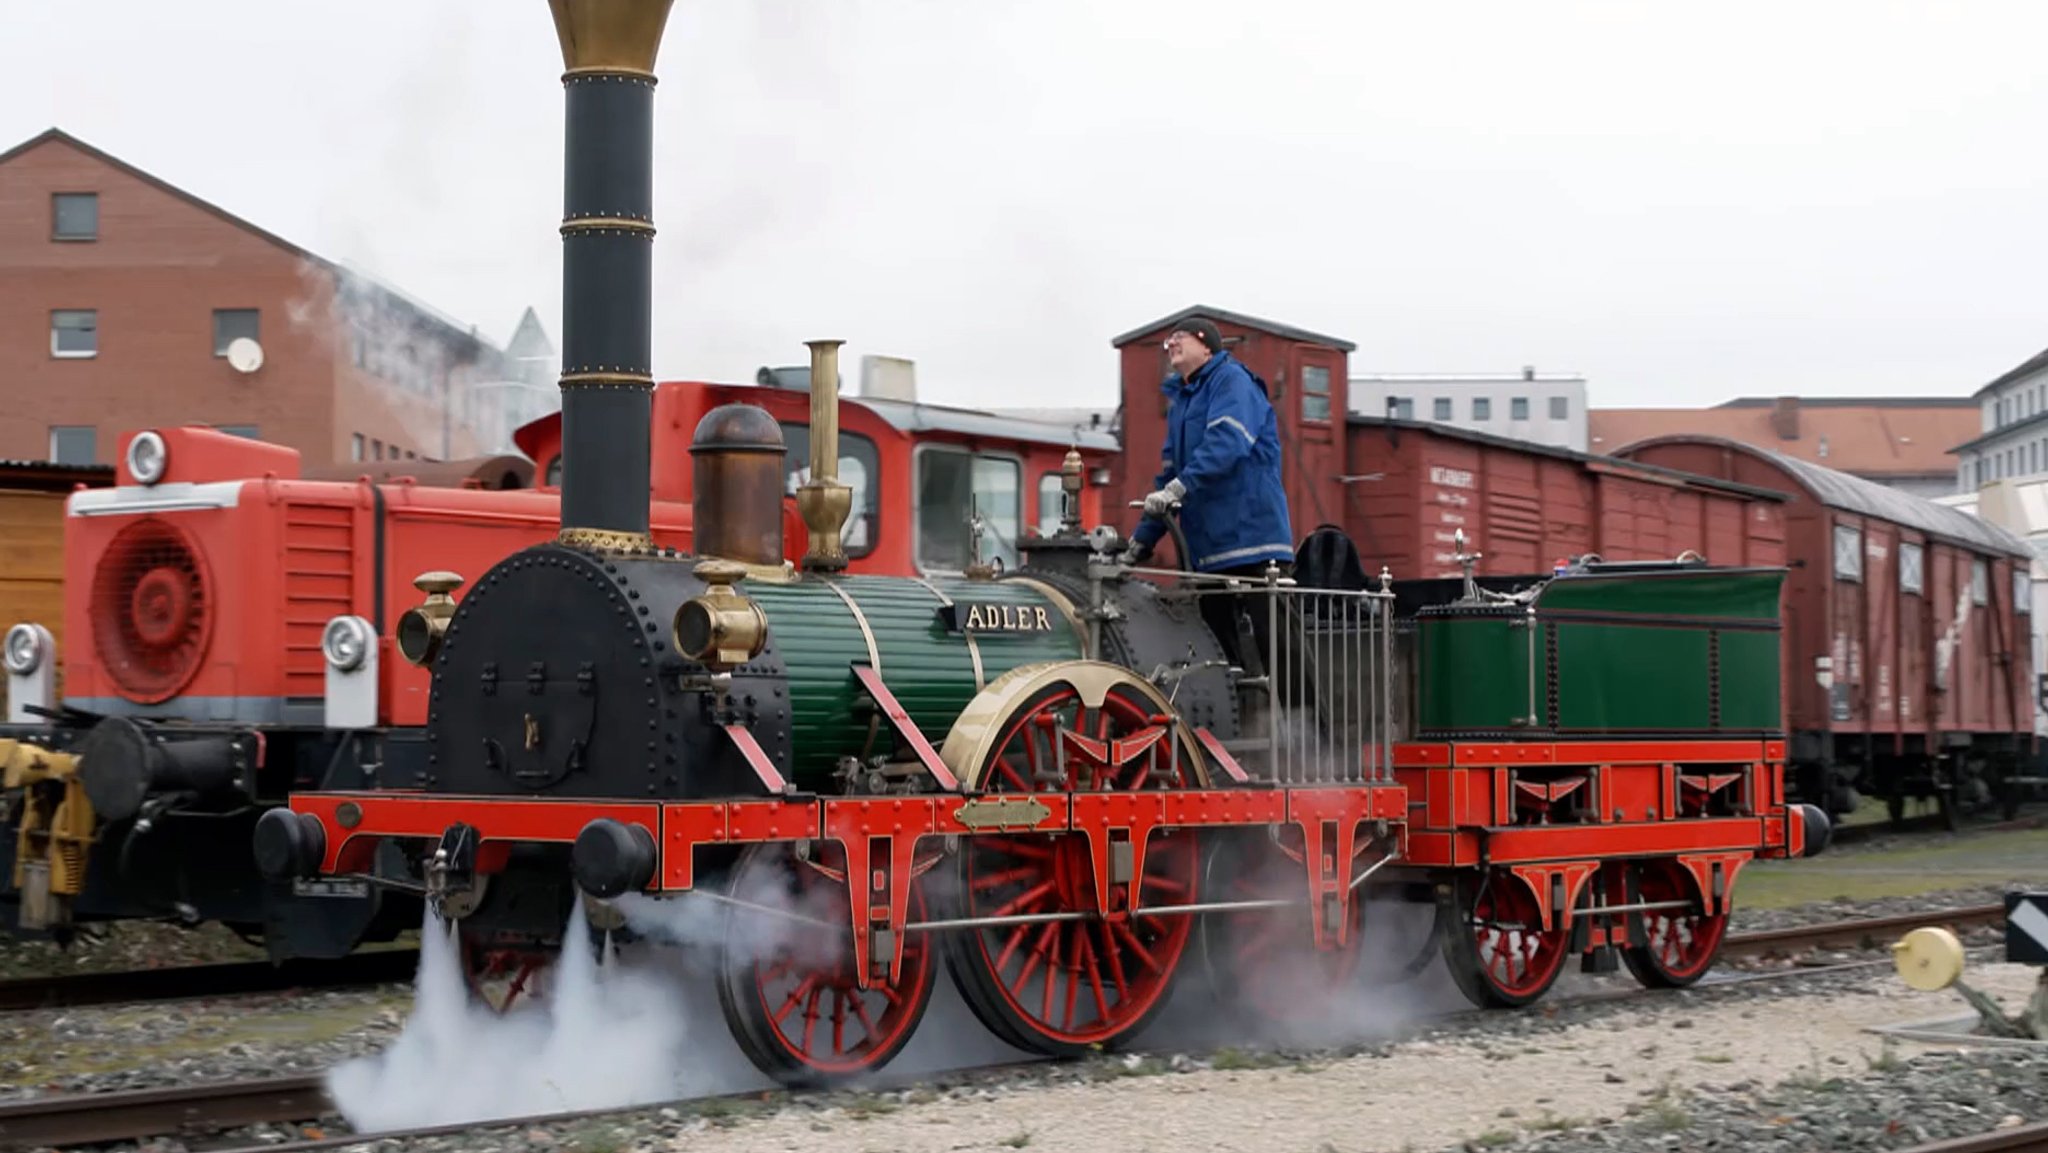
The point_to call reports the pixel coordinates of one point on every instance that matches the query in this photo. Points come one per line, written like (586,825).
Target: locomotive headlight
(147,456)
(346,642)
(25,649)
(420,628)
(721,628)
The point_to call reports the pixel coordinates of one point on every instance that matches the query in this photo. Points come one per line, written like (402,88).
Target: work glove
(1160,503)
(1135,553)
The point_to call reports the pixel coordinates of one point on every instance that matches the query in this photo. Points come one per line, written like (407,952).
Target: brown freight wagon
(32,495)
(1525,507)
(1907,627)
(1402,489)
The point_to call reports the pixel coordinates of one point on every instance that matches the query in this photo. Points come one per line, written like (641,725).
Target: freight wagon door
(1974,658)
(1880,631)
(1916,639)
(1311,397)
(1845,627)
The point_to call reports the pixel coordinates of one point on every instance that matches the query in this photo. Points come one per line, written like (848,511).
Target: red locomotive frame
(1451,811)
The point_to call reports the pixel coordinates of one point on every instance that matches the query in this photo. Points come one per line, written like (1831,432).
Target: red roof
(1881,437)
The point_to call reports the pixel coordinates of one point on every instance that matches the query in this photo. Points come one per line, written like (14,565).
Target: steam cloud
(640,1024)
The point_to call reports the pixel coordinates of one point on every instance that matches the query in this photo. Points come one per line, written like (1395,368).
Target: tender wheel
(1494,947)
(788,988)
(1073,981)
(1682,943)
(1263,963)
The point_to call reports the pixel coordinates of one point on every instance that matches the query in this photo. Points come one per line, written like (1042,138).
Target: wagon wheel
(1064,986)
(1496,950)
(500,977)
(789,988)
(1263,964)
(1681,943)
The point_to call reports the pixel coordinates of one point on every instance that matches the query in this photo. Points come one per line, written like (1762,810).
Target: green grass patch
(1913,871)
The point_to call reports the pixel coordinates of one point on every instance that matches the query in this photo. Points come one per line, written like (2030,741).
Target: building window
(1315,392)
(952,486)
(860,469)
(1560,407)
(2022,588)
(230,324)
(1401,407)
(1848,552)
(73,444)
(75,216)
(1518,408)
(355,447)
(376,449)
(1049,494)
(1912,569)
(1482,408)
(1980,582)
(1441,408)
(75,332)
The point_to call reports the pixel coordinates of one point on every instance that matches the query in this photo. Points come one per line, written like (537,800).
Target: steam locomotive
(1057,777)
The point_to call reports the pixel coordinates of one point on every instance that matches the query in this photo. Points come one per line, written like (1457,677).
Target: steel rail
(226,978)
(1853,934)
(2018,1139)
(71,1119)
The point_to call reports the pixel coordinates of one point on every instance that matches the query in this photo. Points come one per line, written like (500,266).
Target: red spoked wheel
(1681,943)
(1496,947)
(501,977)
(1071,979)
(788,986)
(1263,963)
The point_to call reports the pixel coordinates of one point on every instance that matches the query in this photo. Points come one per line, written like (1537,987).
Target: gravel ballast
(1724,1069)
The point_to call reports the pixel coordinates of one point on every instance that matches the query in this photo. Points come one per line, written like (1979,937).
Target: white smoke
(603,1035)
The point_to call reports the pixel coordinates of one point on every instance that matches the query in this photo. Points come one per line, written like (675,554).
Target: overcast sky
(1743,198)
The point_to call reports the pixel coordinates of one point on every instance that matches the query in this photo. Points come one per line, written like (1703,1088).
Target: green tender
(930,670)
(1678,652)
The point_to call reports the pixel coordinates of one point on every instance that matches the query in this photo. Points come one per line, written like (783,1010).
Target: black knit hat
(1201,329)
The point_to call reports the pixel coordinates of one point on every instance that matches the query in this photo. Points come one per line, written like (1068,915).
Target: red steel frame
(1473,809)
(1464,815)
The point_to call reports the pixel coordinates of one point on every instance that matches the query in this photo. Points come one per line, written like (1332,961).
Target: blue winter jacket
(1223,444)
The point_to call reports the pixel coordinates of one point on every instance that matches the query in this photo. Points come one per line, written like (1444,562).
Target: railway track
(178,982)
(93,1118)
(2019,1139)
(1866,932)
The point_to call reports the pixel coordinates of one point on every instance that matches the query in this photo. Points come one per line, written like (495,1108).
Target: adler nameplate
(984,618)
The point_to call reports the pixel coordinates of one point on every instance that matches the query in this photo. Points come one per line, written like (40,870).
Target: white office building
(1546,408)
(2015,438)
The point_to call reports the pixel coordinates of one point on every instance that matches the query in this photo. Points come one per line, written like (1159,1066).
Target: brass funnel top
(610,35)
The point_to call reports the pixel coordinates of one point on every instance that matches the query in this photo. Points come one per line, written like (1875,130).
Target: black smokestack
(608,48)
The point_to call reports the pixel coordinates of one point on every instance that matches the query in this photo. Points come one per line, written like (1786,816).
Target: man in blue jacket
(1222,466)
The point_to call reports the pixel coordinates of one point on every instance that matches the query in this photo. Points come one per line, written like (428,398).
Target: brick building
(121,294)
(1898,442)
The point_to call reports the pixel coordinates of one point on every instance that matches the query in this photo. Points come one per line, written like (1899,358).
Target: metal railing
(1326,668)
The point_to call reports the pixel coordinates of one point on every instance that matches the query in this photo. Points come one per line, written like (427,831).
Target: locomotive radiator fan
(150,611)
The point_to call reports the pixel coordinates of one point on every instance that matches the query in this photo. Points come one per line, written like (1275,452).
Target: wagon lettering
(1451,477)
